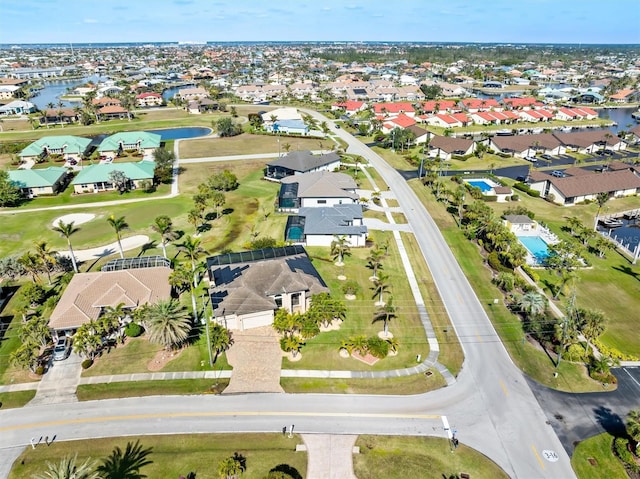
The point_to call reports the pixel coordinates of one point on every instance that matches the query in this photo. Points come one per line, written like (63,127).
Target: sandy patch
(161,359)
(77,218)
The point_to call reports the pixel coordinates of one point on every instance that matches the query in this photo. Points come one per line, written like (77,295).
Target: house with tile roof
(350,107)
(445,147)
(137,141)
(473,105)
(401,121)
(148,99)
(95,178)
(299,162)
(247,288)
(571,190)
(590,141)
(52,116)
(440,106)
(17,107)
(113,112)
(88,294)
(392,110)
(68,147)
(319,226)
(38,182)
(316,189)
(449,121)
(527,145)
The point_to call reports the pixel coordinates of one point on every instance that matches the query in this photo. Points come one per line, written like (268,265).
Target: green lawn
(593,458)
(91,392)
(322,351)
(247,144)
(175,456)
(383,457)
(416,384)
(16,399)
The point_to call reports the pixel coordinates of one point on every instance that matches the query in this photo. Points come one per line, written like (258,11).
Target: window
(322,202)
(295,299)
(278,301)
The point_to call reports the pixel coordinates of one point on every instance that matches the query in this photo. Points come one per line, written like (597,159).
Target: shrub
(515,198)
(494,261)
(33,293)
(531,273)
(533,193)
(133,330)
(574,352)
(504,281)
(350,287)
(521,186)
(40,370)
(378,347)
(613,352)
(87,363)
(489,198)
(621,447)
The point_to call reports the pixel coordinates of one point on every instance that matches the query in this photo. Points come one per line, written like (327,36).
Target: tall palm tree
(163,225)
(167,323)
(66,230)
(592,326)
(127,464)
(68,468)
(374,261)
(339,249)
(47,257)
(220,339)
(385,313)
(31,264)
(118,224)
(532,304)
(191,248)
(601,198)
(380,287)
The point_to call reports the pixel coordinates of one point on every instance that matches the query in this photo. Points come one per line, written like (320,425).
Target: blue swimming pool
(482,184)
(181,132)
(536,246)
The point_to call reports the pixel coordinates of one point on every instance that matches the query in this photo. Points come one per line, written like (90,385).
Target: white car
(62,349)
(532,159)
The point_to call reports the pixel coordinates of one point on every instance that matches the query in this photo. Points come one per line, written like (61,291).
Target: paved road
(491,406)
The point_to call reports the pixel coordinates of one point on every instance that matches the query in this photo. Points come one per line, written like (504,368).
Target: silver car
(62,349)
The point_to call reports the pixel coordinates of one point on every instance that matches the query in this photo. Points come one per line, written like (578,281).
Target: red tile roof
(393,107)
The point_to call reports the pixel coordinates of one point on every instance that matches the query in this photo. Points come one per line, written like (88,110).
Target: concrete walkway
(329,456)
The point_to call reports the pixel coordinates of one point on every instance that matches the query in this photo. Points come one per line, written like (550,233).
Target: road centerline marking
(533,448)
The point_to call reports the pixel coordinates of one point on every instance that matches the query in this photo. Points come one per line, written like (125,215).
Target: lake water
(53,90)
(182,132)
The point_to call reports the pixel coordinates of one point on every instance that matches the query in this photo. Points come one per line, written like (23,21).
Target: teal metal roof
(143,138)
(73,144)
(36,178)
(142,170)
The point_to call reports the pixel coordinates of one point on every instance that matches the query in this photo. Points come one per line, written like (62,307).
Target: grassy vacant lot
(594,459)
(90,392)
(16,399)
(528,357)
(248,144)
(175,456)
(416,384)
(406,328)
(382,457)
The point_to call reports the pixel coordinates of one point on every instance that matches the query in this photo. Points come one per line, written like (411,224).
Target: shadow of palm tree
(147,246)
(610,422)
(623,268)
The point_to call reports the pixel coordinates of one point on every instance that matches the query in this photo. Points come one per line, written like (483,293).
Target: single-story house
(590,141)
(113,112)
(422,135)
(138,141)
(17,107)
(201,106)
(54,116)
(473,105)
(445,147)
(527,145)
(316,189)
(401,121)
(95,178)
(440,106)
(299,162)
(449,121)
(45,181)
(8,91)
(350,107)
(247,288)
(280,114)
(88,294)
(577,189)
(188,94)
(318,226)
(521,225)
(148,99)
(68,147)
(296,127)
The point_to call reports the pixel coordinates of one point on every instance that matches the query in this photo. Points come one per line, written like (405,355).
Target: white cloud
(90,20)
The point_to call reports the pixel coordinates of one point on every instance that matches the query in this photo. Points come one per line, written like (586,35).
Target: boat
(612,223)
(636,116)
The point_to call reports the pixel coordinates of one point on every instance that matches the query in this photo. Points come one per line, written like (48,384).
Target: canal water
(53,90)
(628,234)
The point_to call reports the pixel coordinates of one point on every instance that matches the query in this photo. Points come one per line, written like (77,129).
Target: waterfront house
(140,142)
(65,147)
(149,99)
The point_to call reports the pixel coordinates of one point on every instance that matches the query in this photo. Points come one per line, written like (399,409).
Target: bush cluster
(133,330)
(613,352)
(87,363)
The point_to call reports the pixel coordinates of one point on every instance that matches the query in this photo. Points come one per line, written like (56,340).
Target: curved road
(491,407)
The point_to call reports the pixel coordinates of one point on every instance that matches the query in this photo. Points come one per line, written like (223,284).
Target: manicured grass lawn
(15,399)
(91,392)
(246,144)
(383,457)
(175,456)
(529,358)
(599,450)
(322,351)
(416,384)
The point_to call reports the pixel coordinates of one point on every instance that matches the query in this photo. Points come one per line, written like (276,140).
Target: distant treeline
(500,54)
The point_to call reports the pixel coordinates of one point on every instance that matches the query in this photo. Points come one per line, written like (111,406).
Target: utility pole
(207,320)
(570,312)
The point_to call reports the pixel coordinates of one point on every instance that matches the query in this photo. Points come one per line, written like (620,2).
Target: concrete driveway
(60,382)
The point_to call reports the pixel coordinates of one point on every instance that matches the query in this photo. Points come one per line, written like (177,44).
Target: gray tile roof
(304,161)
(332,220)
(319,184)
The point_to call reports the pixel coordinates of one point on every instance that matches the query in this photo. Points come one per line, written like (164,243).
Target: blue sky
(540,21)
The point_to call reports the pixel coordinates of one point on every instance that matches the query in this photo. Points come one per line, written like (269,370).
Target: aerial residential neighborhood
(277,257)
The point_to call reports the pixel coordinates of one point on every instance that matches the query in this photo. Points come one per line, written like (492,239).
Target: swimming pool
(482,184)
(181,132)
(536,246)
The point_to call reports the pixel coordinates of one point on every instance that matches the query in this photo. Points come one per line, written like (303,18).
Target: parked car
(521,179)
(547,157)
(337,127)
(62,349)
(532,159)
(558,173)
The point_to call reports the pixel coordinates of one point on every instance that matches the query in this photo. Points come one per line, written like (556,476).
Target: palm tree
(127,464)
(601,198)
(531,303)
(380,286)
(385,313)
(66,230)
(592,326)
(118,224)
(339,249)
(230,468)
(633,426)
(220,340)
(291,344)
(68,468)
(191,248)
(31,264)
(163,225)
(374,261)
(167,323)
(46,257)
